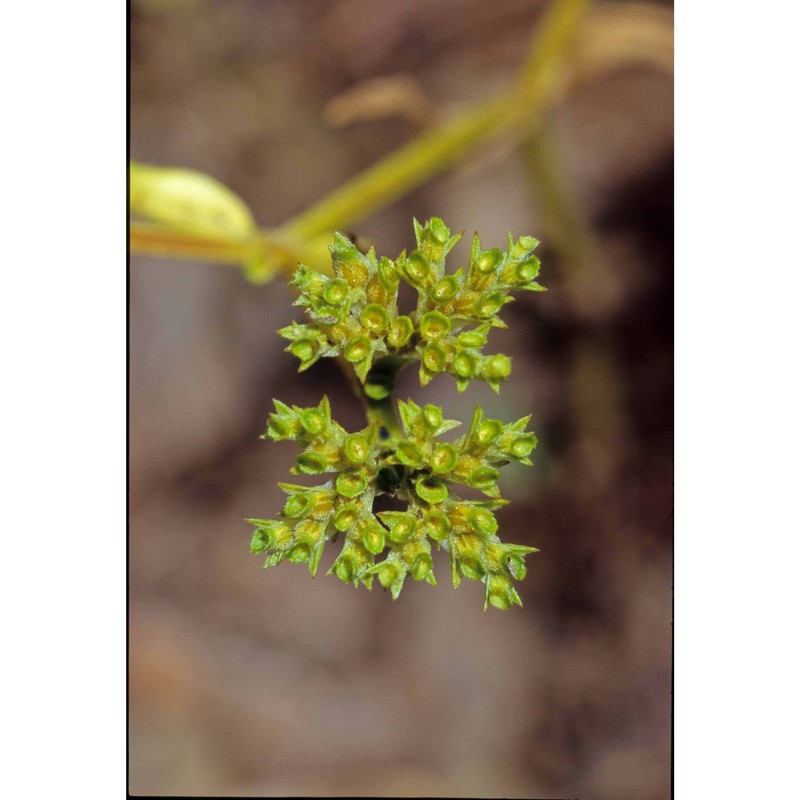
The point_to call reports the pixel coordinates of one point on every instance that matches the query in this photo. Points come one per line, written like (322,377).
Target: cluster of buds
(419,468)
(354,314)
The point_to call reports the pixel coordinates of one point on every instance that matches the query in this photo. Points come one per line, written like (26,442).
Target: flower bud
(521,446)
(516,566)
(311,463)
(409,454)
(438,231)
(403,529)
(298,506)
(496,368)
(280,427)
(436,525)
(374,317)
(488,432)
(304,349)
(434,325)
(346,517)
(489,304)
(400,332)
(357,349)
(483,521)
(313,420)
(423,565)
(356,448)
(417,268)
(387,273)
(434,358)
(431,490)
(474,338)
(351,484)
(336,292)
(471,565)
(300,551)
(373,537)
(488,261)
(500,592)
(445,289)
(483,478)
(465,365)
(526,271)
(345,568)
(432,417)
(444,458)
(388,573)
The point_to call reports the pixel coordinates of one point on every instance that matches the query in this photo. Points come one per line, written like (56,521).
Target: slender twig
(410,166)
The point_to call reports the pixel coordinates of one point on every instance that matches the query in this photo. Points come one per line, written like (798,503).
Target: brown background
(268,683)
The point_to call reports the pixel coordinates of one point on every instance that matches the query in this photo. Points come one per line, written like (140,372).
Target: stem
(434,152)
(406,168)
(400,172)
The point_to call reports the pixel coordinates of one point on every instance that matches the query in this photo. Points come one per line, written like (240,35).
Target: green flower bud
(311,463)
(356,448)
(434,358)
(489,304)
(445,289)
(501,593)
(300,552)
(298,505)
(345,568)
(423,565)
(388,573)
(409,454)
(497,368)
(417,268)
(266,535)
(375,318)
(474,338)
(436,525)
(313,420)
(434,325)
(521,446)
(279,428)
(387,273)
(483,478)
(488,432)
(403,529)
(444,458)
(431,490)
(465,365)
(432,417)
(439,232)
(373,538)
(483,521)
(351,484)
(400,332)
(346,517)
(516,566)
(357,349)
(527,271)
(471,565)
(488,261)
(336,292)
(304,349)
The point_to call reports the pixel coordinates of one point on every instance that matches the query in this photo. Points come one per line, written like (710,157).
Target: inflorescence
(354,315)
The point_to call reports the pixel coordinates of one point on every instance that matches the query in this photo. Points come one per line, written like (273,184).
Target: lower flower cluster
(418,468)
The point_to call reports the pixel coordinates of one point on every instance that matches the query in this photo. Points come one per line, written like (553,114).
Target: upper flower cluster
(354,314)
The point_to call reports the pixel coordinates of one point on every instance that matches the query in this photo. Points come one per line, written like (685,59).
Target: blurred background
(253,682)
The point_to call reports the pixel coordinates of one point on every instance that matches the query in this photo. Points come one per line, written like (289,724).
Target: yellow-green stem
(411,165)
